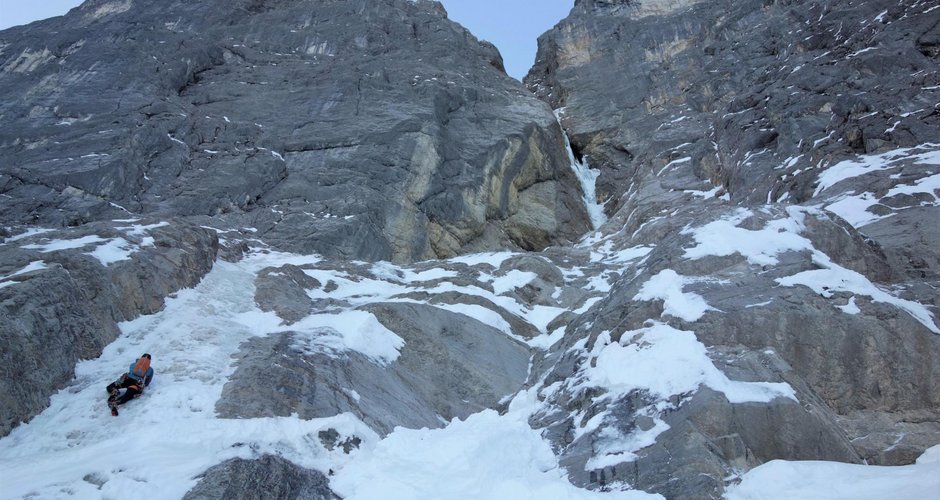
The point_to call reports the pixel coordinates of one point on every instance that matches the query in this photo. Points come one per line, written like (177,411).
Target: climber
(137,377)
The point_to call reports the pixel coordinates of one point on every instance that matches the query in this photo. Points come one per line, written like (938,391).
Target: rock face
(61,299)
(448,368)
(362,130)
(764,287)
(265,477)
(757,97)
(699,116)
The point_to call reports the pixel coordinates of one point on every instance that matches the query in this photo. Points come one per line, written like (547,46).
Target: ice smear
(784,480)
(588,179)
(614,447)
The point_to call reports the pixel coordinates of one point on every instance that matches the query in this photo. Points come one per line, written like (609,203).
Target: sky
(512,25)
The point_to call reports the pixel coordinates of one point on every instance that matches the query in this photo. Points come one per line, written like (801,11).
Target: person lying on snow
(137,377)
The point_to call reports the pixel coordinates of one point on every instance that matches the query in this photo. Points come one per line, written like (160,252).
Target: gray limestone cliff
(697,113)
(360,129)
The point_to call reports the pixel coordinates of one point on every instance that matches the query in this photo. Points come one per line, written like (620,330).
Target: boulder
(268,477)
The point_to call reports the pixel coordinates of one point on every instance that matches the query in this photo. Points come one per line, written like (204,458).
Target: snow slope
(782,480)
(161,443)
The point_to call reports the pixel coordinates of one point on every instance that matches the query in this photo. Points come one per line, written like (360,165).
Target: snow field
(159,444)
(76,449)
(815,480)
(162,442)
(486,456)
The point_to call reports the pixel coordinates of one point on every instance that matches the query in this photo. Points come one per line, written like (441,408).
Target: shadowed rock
(449,367)
(375,130)
(268,477)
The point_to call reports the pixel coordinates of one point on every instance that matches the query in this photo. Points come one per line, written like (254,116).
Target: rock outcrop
(63,293)
(266,477)
(703,116)
(449,367)
(360,130)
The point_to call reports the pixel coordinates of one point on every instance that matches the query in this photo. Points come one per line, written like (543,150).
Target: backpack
(140,369)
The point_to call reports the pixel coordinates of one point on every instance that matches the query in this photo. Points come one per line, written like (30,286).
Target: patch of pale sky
(512,25)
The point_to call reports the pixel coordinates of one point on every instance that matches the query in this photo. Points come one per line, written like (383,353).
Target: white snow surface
(26,234)
(663,362)
(667,285)
(32,266)
(761,247)
(854,206)
(640,359)
(106,250)
(113,250)
(866,164)
(816,480)
(162,442)
(54,245)
(345,331)
(835,278)
(487,456)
